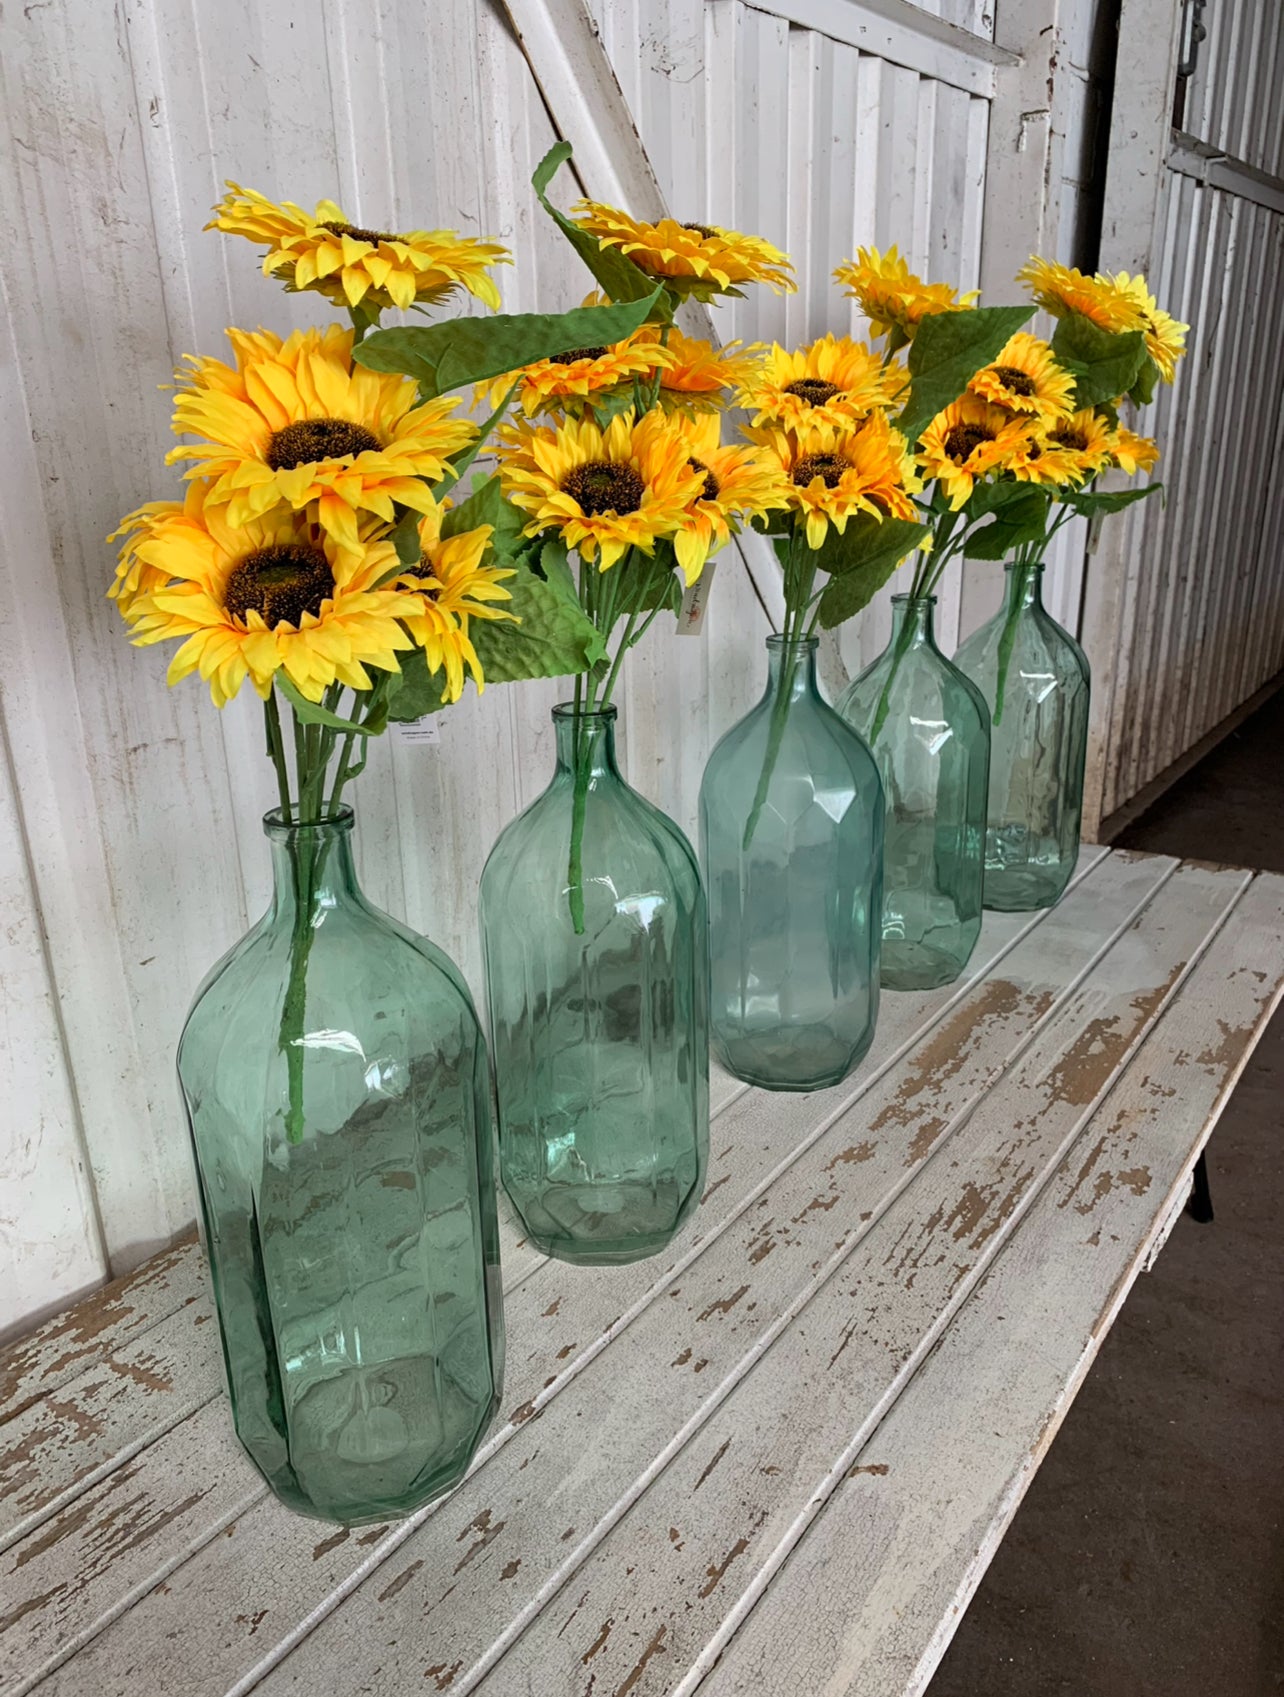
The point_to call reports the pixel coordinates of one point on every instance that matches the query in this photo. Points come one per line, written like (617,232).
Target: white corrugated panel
(1203,624)
(1197,627)
(135,836)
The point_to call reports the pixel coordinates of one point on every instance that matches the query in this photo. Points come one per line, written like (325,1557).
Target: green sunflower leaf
(861,561)
(867,541)
(555,637)
(615,272)
(420,692)
(1105,363)
(405,537)
(1090,501)
(948,350)
(1016,523)
(1143,390)
(648,583)
(992,497)
(461,351)
(312,713)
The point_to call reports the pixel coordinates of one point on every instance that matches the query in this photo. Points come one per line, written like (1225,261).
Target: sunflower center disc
(572,354)
(705,230)
(813,390)
(711,484)
(280,584)
(829,468)
(358,234)
(963,439)
(1017,382)
(604,486)
(309,440)
(1071,439)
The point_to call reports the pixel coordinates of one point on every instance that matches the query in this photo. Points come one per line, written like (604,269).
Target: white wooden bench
(776,1461)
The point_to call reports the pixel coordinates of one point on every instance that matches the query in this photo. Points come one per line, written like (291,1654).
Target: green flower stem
(599,596)
(294,1006)
(276,749)
(903,642)
(800,578)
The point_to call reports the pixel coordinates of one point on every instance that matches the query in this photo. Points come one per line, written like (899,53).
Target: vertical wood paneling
(49,1236)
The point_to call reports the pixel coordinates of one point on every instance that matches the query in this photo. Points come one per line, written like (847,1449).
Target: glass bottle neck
(1025,586)
(791,664)
(585,741)
(312,866)
(912,621)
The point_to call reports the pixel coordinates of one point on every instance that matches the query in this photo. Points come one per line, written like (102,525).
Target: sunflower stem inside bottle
(800,578)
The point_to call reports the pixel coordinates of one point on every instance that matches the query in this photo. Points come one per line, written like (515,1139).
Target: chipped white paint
(819,1348)
(822,123)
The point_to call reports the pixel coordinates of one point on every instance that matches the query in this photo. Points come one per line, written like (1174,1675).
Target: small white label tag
(694,601)
(426,731)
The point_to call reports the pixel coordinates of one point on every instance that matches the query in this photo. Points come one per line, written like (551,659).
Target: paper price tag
(425,732)
(695,600)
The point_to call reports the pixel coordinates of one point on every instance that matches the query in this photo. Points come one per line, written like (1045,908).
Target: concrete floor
(1147,1559)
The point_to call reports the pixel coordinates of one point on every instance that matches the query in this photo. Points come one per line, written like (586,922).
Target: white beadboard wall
(129,813)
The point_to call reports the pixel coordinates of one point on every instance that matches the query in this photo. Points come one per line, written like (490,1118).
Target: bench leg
(1200,1206)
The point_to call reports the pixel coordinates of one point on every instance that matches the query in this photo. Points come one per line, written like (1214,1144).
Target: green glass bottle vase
(929,729)
(1034,677)
(596,951)
(791,841)
(336,1085)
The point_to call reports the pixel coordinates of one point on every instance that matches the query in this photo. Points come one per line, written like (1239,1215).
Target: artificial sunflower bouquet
(613,480)
(1019,449)
(317,550)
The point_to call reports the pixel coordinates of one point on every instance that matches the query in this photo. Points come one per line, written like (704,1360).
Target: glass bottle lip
(908,600)
(793,644)
(280,829)
(567,711)
(1028,566)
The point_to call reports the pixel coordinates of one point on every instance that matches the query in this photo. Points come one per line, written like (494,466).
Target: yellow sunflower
(1026,379)
(1133,453)
(834,471)
(697,377)
(1117,304)
(1038,460)
(967,440)
(275,594)
(1086,438)
(1164,336)
(1059,289)
(739,483)
(297,421)
(832,381)
(145,555)
(893,299)
(353,266)
(581,375)
(456,586)
(604,491)
(691,258)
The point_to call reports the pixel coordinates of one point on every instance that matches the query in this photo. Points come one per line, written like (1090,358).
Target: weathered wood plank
(667,1372)
(64,1442)
(648,1584)
(55,1352)
(932,1496)
(106,1500)
(560,1322)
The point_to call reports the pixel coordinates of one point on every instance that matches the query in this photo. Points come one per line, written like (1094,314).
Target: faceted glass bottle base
(1022,872)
